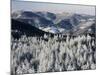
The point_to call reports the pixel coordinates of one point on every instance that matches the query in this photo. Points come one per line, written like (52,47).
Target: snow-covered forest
(47,54)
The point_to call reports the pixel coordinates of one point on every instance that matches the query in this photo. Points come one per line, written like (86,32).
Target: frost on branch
(46,54)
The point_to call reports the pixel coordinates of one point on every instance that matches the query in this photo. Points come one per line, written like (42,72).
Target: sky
(52,7)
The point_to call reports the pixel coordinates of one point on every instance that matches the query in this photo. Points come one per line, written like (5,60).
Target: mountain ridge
(55,23)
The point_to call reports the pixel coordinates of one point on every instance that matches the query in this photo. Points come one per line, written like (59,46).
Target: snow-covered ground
(52,29)
(86,25)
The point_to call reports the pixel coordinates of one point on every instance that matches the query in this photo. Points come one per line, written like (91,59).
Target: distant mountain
(57,23)
(66,24)
(83,28)
(47,15)
(32,18)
